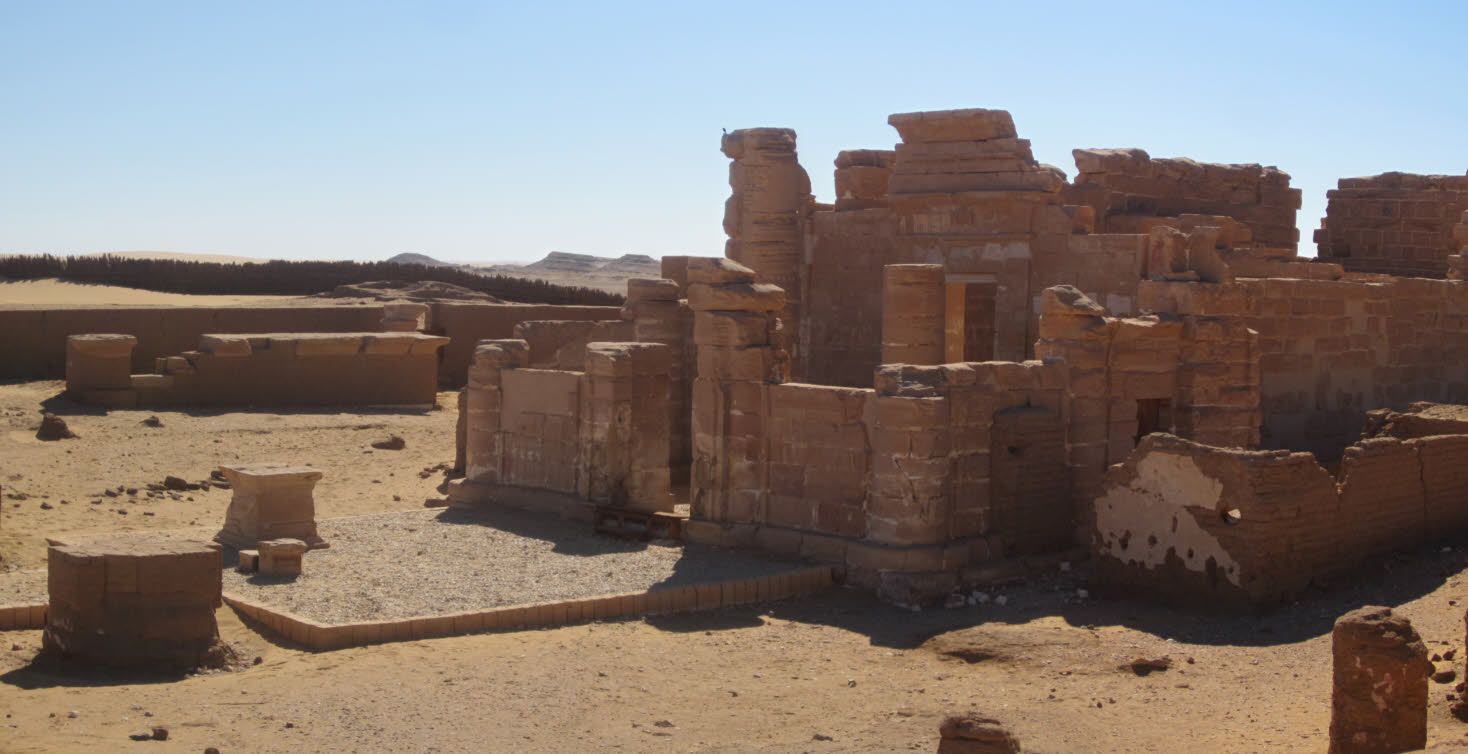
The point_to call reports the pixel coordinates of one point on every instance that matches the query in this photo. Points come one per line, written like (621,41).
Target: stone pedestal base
(271,501)
(137,601)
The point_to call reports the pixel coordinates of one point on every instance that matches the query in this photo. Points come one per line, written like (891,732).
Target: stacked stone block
(625,425)
(1394,223)
(99,367)
(561,344)
(966,193)
(270,501)
(862,176)
(913,314)
(736,327)
(1124,184)
(765,217)
(1457,261)
(598,436)
(135,601)
(658,313)
(404,316)
(819,459)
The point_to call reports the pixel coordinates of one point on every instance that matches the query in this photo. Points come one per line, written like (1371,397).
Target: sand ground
(51,292)
(783,677)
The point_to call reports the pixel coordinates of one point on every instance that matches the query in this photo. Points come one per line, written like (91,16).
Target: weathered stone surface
(1379,689)
(281,557)
(134,600)
(974,734)
(953,125)
(270,501)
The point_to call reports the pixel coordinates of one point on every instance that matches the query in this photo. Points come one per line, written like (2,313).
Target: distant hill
(585,270)
(409,257)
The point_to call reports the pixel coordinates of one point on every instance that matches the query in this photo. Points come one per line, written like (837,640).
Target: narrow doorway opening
(1153,415)
(969,318)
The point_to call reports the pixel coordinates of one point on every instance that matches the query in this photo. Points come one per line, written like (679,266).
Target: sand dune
(53,292)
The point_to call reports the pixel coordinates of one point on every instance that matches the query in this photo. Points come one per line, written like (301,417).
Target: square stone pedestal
(271,501)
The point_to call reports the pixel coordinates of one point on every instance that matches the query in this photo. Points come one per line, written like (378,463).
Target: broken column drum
(135,601)
(271,501)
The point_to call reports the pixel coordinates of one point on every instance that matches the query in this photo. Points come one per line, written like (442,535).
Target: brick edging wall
(322,636)
(22,617)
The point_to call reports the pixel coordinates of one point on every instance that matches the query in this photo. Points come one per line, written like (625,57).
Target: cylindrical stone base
(1379,693)
(138,601)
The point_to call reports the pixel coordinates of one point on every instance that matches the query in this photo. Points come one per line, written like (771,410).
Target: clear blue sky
(476,131)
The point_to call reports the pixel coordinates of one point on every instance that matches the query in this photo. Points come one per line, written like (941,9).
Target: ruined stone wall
(273,369)
(599,435)
(1394,223)
(561,344)
(1120,184)
(33,340)
(658,312)
(466,324)
(1233,529)
(766,214)
(1331,350)
(843,325)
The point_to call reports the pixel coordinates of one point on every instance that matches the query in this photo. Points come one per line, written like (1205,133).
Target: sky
(489,132)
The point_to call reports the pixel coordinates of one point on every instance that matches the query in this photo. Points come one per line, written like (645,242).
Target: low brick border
(22,617)
(323,636)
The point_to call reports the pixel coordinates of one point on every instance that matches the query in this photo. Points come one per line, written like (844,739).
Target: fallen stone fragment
(393,442)
(152,421)
(1145,665)
(52,428)
(975,734)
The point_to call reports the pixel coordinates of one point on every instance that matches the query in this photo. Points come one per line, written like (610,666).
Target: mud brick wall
(1247,530)
(1222,529)
(561,344)
(466,324)
(1394,223)
(1118,183)
(842,331)
(819,458)
(33,340)
(1333,350)
(600,435)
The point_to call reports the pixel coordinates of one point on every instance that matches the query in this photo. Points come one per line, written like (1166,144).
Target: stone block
(953,125)
(281,557)
(751,297)
(270,501)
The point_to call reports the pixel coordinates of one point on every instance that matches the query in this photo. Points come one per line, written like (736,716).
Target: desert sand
(837,671)
(50,292)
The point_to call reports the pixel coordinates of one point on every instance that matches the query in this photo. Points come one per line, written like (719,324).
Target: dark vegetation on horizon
(283,278)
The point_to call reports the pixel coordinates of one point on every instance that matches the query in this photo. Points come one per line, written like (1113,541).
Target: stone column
(624,426)
(765,217)
(736,329)
(913,308)
(1074,330)
(99,362)
(1378,700)
(483,460)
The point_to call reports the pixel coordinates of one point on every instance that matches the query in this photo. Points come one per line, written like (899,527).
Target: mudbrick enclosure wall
(275,369)
(1394,223)
(1228,528)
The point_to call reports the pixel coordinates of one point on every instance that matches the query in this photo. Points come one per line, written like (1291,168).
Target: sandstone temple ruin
(966,359)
